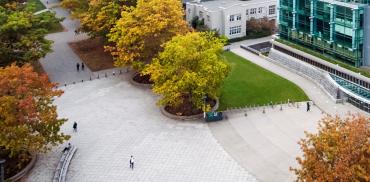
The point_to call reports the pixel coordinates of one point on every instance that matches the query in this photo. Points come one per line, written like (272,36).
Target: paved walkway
(116,120)
(60,64)
(266,144)
(249,42)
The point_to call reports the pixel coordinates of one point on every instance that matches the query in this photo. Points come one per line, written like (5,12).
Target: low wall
(141,85)
(320,77)
(24,172)
(187,118)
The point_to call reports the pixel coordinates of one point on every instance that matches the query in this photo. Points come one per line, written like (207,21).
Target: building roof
(214,5)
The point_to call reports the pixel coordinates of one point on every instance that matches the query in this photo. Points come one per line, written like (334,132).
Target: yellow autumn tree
(141,30)
(97,17)
(102,15)
(190,68)
(340,151)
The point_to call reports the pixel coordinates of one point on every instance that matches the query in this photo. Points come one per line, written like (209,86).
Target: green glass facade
(335,28)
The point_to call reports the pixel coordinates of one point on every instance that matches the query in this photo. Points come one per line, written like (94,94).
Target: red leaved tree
(28,118)
(340,151)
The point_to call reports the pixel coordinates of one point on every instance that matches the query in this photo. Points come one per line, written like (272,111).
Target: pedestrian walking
(67,147)
(47,2)
(132,162)
(308,106)
(75,126)
(78,66)
(82,66)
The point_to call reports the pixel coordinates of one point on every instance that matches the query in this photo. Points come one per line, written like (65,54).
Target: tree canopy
(190,67)
(28,118)
(22,33)
(141,30)
(340,151)
(97,17)
(260,27)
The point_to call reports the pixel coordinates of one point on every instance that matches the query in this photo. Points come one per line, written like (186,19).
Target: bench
(62,168)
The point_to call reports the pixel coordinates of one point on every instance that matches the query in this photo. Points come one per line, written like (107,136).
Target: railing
(95,76)
(62,168)
(264,107)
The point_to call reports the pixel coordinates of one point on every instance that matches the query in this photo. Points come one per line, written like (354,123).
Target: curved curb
(187,118)
(140,85)
(24,172)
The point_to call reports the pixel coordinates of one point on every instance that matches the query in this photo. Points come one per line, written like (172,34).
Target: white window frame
(272,9)
(260,10)
(238,17)
(253,11)
(232,18)
(235,30)
(247,12)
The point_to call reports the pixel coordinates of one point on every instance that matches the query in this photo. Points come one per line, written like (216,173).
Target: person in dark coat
(308,106)
(82,66)
(75,126)
(78,66)
(67,147)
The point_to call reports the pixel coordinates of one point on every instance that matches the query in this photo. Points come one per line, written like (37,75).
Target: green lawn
(39,5)
(56,27)
(249,84)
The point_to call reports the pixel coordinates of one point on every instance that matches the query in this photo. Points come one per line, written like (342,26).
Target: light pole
(204,106)
(2,174)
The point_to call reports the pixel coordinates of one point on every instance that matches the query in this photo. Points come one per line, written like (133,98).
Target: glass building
(338,28)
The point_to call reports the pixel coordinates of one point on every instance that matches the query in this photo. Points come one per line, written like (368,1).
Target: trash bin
(214,116)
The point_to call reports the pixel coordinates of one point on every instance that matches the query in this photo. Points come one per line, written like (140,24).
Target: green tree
(22,33)
(190,67)
(340,151)
(140,32)
(28,118)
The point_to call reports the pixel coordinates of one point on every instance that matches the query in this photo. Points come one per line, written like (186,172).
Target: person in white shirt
(132,162)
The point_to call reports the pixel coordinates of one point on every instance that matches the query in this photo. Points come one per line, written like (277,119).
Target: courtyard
(255,142)
(115,120)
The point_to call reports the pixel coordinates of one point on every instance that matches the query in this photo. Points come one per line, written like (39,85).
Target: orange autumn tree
(28,118)
(139,33)
(340,151)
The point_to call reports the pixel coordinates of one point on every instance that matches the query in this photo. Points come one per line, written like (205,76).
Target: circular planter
(187,118)
(140,85)
(24,171)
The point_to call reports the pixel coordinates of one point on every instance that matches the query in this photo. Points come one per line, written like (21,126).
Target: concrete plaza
(116,120)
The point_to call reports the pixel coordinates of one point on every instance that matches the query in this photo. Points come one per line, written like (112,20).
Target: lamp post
(2,174)
(204,106)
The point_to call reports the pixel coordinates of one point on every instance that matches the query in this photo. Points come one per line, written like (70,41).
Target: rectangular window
(200,14)
(235,30)
(272,9)
(238,17)
(253,11)
(232,18)
(260,10)
(247,12)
